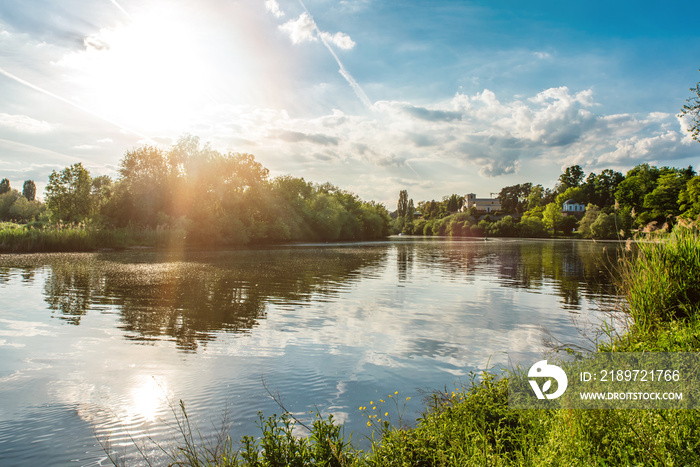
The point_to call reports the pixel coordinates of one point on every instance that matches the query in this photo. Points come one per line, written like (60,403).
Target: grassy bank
(60,238)
(474,425)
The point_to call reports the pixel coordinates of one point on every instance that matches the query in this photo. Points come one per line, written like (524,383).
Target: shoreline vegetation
(191,195)
(473,425)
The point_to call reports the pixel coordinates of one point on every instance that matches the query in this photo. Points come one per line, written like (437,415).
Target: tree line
(645,198)
(19,206)
(215,198)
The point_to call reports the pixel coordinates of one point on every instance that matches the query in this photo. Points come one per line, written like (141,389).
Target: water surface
(100,346)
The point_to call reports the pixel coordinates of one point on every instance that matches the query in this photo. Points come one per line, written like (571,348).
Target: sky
(374,96)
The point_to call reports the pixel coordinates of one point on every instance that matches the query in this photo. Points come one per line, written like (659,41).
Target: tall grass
(60,238)
(661,280)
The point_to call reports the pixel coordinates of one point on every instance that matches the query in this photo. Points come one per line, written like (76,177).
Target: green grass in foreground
(474,426)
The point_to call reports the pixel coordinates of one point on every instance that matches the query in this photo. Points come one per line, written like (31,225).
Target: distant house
(572,207)
(481,204)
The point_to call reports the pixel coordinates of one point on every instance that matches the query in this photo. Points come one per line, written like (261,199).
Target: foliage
(691,110)
(402,205)
(552,216)
(29,190)
(578,194)
(571,178)
(606,226)
(68,194)
(689,199)
(584,226)
(4,186)
(515,198)
(662,281)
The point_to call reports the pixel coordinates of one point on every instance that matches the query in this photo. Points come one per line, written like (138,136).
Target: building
(481,204)
(571,207)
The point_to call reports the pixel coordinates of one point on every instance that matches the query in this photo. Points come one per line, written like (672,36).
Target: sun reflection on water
(148,397)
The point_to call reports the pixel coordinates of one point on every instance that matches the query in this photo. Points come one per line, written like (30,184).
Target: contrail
(343,71)
(114,2)
(77,106)
(38,149)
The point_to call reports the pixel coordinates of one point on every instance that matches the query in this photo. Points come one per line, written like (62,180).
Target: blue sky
(433,97)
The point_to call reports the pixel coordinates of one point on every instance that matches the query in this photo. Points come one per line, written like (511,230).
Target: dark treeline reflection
(192,296)
(571,267)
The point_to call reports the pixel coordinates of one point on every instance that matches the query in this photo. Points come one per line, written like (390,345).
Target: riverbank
(65,238)
(475,426)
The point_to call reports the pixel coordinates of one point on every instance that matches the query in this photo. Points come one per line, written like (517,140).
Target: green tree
(515,198)
(552,216)
(402,205)
(7,200)
(606,226)
(68,194)
(639,181)
(4,186)
(578,194)
(453,203)
(532,227)
(572,177)
(25,210)
(29,190)
(662,201)
(584,226)
(600,189)
(689,199)
(411,209)
(691,110)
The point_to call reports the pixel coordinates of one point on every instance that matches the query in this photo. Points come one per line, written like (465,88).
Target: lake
(102,346)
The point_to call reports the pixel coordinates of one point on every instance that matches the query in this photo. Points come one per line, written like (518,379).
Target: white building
(572,207)
(481,204)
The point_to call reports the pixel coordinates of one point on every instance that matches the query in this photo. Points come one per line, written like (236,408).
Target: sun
(154,72)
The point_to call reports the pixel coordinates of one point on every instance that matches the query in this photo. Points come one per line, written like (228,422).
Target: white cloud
(339,39)
(493,136)
(24,124)
(302,29)
(273,7)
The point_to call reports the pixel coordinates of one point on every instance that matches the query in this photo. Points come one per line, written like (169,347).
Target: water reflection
(192,298)
(328,326)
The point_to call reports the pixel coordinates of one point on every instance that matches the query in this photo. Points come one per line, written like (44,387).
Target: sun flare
(153,72)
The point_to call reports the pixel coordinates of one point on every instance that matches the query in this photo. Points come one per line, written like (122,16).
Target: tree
(4,186)
(606,226)
(578,194)
(691,110)
(572,177)
(637,183)
(68,194)
(584,226)
(29,190)
(689,199)
(402,205)
(515,198)
(551,217)
(662,202)
(453,203)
